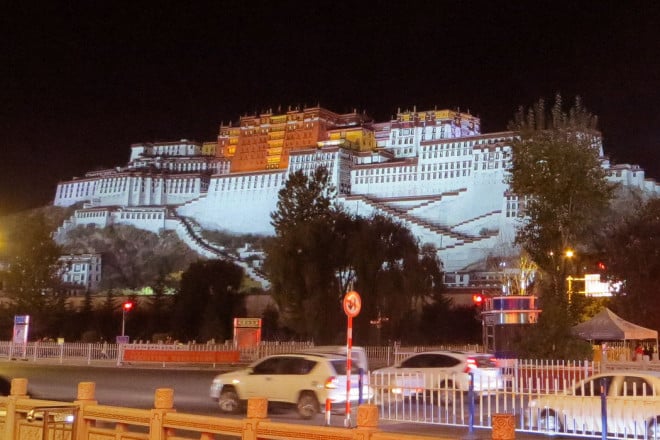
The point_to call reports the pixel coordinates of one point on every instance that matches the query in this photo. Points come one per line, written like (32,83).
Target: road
(117,386)
(135,387)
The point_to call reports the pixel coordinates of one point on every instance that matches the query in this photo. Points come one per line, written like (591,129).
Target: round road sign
(352,304)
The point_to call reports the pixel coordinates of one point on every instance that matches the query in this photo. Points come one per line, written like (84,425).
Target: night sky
(81,81)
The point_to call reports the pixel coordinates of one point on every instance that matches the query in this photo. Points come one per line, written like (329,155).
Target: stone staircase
(188,231)
(402,214)
(192,236)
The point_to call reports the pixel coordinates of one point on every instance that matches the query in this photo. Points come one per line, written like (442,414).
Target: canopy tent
(607,326)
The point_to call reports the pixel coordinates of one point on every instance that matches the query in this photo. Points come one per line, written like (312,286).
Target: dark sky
(81,81)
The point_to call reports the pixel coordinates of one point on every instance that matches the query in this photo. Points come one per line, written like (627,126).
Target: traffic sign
(352,304)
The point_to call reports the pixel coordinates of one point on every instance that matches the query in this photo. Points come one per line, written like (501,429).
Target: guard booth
(247,332)
(504,319)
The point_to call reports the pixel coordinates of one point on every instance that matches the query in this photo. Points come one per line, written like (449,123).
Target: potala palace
(432,170)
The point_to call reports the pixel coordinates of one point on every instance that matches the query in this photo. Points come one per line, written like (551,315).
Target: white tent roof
(607,326)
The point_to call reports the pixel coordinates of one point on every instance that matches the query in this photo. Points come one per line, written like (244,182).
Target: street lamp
(568,255)
(378,323)
(125,308)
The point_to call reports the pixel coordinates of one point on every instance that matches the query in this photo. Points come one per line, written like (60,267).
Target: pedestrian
(639,352)
(104,349)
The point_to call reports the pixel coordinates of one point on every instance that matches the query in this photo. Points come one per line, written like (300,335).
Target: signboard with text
(21,327)
(247,332)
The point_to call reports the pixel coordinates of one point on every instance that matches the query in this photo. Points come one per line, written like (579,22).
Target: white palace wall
(240,204)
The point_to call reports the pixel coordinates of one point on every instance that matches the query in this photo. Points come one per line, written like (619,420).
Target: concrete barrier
(181,356)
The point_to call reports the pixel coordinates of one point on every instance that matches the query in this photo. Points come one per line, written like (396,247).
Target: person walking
(104,349)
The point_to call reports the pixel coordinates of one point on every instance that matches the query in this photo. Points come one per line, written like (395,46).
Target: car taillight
(330,383)
(494,361)
(471,363)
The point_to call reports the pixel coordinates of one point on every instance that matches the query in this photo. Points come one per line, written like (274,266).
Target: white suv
(302,379)
(441,375)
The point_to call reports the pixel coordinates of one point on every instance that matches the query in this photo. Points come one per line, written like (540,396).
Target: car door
(582,410)
(440,371)
(262,382)
(294,375)
(410,374)
(632,402)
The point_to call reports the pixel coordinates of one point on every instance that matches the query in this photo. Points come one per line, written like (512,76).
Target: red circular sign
(352,304)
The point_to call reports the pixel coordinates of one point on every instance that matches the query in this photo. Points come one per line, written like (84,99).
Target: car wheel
(446,394)
(5,386)
(431,397)
(228,401)
(308,405)
(549,422)
(653,430)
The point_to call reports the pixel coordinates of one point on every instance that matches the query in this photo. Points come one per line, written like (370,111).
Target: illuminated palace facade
(433,170)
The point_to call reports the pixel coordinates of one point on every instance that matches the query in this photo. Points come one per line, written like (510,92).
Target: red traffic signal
(128,306)
(478,299)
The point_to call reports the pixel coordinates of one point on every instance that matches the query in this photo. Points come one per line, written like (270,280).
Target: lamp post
(568,255)
(378,323)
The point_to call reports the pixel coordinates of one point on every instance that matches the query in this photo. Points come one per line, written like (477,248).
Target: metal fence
(540,397)
(88,353)
(64,353)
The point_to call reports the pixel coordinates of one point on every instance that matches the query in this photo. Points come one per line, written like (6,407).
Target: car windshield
(485,362)
(340,367)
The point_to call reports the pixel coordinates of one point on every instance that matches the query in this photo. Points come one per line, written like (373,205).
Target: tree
(631,254)
(303,199)
(207,301)
(551,337)
(159,304)
(107,321)
(556,171)
(269,323)
(393,275)
(320,252)
(301,258)
(132,258)
(32,274)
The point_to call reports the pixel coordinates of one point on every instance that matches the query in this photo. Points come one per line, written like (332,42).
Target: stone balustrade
(24,418)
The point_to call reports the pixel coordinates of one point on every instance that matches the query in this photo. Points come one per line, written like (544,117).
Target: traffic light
(126,307)
(478,299)
(601,268)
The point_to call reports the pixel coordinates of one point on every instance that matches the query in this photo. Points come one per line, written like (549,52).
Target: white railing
(80,352)
(378,356)
(541,402)
(88,353)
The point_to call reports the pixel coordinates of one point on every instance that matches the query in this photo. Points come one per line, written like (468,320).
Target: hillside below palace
(434,171)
